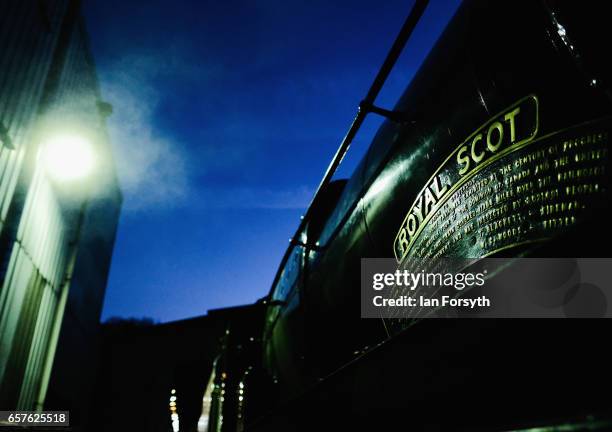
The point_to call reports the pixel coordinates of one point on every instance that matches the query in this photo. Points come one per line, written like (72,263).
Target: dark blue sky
(226,116)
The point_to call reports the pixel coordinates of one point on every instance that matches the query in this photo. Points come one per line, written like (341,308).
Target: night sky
(226,114)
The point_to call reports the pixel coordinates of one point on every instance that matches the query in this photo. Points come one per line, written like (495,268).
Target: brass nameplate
(526,190)
(502,134)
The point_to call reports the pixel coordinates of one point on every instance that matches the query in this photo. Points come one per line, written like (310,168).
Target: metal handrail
(365,107)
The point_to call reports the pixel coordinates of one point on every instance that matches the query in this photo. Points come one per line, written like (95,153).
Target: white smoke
(151,164)
(155,169)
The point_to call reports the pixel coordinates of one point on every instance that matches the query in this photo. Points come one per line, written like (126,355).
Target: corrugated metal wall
(37,90)
(29,32)
(32,286)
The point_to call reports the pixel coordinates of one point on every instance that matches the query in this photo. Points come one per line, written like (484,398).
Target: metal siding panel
(17,285)
(47,223)
(38,349)
(26,48)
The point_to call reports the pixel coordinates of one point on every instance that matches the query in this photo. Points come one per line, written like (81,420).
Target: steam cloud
(151,164)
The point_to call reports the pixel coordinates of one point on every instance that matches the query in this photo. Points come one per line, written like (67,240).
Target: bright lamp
(68,157)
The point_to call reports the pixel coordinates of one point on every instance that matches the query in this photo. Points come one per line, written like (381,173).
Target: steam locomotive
(505,130)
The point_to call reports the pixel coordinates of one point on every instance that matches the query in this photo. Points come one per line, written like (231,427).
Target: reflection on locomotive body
(500,149)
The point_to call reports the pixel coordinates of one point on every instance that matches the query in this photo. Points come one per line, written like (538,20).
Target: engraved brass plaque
(527,189)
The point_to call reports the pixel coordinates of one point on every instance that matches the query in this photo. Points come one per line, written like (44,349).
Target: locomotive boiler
(499,147)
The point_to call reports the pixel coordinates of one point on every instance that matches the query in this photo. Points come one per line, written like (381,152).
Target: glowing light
(68,157)
(203,422)
(561,30)
(173,414)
